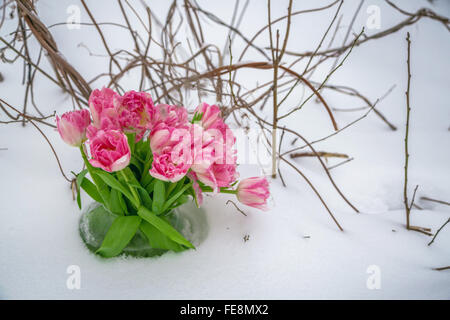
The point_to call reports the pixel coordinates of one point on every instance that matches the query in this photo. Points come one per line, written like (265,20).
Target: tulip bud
(254,192)
(72,126)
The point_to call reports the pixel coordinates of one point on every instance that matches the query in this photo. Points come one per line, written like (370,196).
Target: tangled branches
(173,59)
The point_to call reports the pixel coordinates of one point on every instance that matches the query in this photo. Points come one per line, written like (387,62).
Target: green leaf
(117,204)
(79,180)
(145,197)
(81,176)
(159,197)
(130,176)
(102,188)
(192,193)
(142,148)
(176,196)
(197,117)
(91,190)
(145,175)
(163,226)
(109,179)
(134,161)
(119,235)
(159,240)
(149,187)
(131,137)
(123,204)
(176,187)
(146,178)
(181,200)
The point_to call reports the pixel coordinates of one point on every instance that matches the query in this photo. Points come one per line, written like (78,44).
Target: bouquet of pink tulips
(145,160)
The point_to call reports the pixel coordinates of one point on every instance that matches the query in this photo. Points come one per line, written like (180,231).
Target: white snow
(294,250)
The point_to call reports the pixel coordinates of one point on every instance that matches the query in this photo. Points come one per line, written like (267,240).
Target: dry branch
(435,200)
(323,154)
(439,230)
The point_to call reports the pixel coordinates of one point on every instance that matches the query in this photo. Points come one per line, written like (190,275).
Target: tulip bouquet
(144,160)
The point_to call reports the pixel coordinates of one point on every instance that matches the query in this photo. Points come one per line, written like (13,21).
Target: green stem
(133,191)
(229,191)
(222,190)
(98,183)
(84,156)
(89,166)
(145,171)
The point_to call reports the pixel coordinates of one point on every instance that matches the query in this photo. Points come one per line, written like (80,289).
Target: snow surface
(294,251)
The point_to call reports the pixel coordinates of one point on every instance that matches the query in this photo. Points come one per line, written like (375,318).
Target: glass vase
(187,219)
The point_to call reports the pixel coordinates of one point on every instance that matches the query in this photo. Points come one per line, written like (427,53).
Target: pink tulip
(214,157)
(217,175)
(164,136)
(254,192)
(72,126)
(166,167)
(171,148)
(173,116)
(221,129)
(103,105)
(223,137)
(202,147)
(109,150)
(210,114)
(136,112)
(203,155)
(225,174)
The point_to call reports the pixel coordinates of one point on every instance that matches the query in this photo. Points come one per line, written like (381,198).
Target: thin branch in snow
(30,119)
(237,208)
(340,163)
(323,154)
(442,268)
(435,200)
(439,230)
(405,184)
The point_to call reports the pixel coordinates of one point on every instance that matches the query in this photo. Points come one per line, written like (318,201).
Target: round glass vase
(187,219)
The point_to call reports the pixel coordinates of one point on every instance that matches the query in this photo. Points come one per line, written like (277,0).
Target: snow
(293,251)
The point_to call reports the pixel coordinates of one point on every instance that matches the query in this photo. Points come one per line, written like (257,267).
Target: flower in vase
(72,126)
(136,112)
(109,150)
(164,136)
(203,155)
(210,113)
(167,167)
(172,157)
(225,174)
(202,148)
(254,192)
(103,105)
(171,115)
(218,168)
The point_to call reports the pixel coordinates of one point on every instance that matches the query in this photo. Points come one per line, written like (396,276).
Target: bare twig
(408,109)
(442,268)
(237,208)
(320,154)
(42,133)
(435,200)
(340,164)
(405,185)
(439,230)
